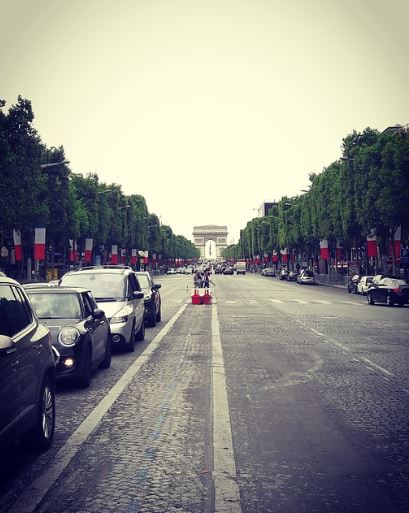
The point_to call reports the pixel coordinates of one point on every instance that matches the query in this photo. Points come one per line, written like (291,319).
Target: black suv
(27,371)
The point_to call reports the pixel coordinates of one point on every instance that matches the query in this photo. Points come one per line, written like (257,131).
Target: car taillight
(396,290)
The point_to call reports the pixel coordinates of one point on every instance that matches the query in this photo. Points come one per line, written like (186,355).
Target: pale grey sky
(206,108)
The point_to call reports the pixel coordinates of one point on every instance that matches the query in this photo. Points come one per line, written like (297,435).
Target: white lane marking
(321,302)
(253,301)
(227,494)
(33,495)
(230,302)
(352,303)
(300,301)
(376,366)
(369,363)
(276,300)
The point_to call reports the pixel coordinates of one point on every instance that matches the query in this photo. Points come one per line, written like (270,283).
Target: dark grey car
(27,371)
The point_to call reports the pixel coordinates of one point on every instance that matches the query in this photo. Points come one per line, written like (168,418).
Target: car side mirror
(98,313)
(157,286)
(138,295)
(6,345)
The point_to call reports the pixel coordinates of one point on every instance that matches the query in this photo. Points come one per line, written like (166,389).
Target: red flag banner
(114,254)
(17,245)
(39,243)
(371,246)
(324,253)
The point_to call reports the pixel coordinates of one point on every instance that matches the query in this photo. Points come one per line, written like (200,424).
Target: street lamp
(52,164)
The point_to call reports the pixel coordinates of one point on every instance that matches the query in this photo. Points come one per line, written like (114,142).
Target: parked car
(268,271)
(218,269)
(306,277)
(152,298)
(292,275)
(352,286)
(283,274)
(172,270)
(364,284)
(117,291)
(27,371)
(80,331)
(390,291)
(228,270)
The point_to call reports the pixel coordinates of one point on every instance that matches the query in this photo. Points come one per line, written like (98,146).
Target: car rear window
(310,274)
(104,286)
(56,306)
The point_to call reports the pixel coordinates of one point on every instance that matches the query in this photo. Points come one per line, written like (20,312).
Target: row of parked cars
(303,277)
(64,332)
(390,290)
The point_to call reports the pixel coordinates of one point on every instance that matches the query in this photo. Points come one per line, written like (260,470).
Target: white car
(363,285)
(306,278)
(118,293)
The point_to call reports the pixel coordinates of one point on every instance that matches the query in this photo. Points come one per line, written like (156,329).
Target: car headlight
(121,315)
(69,336)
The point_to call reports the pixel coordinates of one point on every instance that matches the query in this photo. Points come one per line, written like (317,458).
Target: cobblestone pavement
(318,392)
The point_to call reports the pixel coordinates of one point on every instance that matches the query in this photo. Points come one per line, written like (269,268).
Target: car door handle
(14,365)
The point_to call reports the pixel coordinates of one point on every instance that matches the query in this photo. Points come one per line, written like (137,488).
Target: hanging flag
(123,255)
(146,259)
(114,254)
(339,251)
(324,253)
(372,245)
(395,243)
(17,245)
(275,256)
(133,257)
(39,243)
(88,250)
(284,255)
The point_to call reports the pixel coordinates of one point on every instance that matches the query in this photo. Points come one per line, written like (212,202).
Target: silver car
(118,293)
(363,285)
(306,277)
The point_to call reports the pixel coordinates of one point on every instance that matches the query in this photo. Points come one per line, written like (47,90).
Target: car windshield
(56,306)
(310,274)
(104,286)
(143,281)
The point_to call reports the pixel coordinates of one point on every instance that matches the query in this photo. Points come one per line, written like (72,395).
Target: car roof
(58,290)
(10,281)
(101,270)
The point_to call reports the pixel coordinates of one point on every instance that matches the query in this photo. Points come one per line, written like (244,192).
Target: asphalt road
(277,398)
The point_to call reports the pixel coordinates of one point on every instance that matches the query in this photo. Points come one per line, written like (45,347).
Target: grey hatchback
(27,371)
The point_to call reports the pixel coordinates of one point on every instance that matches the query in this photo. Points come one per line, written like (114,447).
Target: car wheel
(130,346)
(40,437)
(85,380)
(152,317)
(140,334)
(369,299)
(388,300)
(159,314)
(106,362)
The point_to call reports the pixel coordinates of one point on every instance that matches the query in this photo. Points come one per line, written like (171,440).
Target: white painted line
(352,303)
(276,300)
(375,366)
(34,493)
(322,302)
(300,301)
(316,332)
(253,301)
(230,302)
(227,494)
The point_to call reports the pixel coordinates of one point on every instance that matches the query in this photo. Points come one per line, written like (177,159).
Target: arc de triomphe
(217,234)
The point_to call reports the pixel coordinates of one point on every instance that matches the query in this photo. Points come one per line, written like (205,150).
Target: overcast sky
(206,108)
